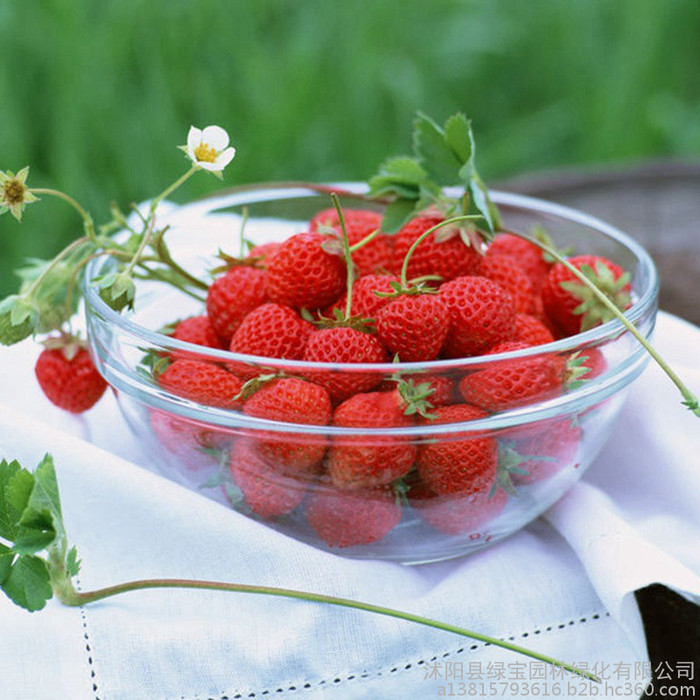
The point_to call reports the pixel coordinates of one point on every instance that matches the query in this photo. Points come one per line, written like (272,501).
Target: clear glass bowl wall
(560,434)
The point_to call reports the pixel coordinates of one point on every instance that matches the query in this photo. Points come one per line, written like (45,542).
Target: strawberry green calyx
(416,397)
(415,286)
(510,462)
(117,289)
(253,385)
(340,319)
(244,247)
(443,157)
(576,371)
(36,562)
(68,343)
(590,309)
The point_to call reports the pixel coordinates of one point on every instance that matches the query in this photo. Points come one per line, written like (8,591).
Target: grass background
(95,96)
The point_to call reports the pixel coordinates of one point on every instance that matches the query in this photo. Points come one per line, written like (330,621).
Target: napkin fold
(561,586)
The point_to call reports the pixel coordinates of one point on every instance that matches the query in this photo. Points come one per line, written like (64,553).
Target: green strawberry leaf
(402,180)
(435,150)
(28,583)
(16,485)
(72,562)
(458,134)
(37,532)
(401,175)
(397,214)
(481,205)
(40,523)
(7,556)
(44,501)
(31,521)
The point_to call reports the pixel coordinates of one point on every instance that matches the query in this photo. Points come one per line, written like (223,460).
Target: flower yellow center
(13,192)
(205,153)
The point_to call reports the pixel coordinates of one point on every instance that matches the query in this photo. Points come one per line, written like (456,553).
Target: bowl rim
(288,190)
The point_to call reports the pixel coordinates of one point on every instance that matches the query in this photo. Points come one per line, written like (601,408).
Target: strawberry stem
(367,239)
(170,189)
(241,243)
(423,236)
(87,219)
(70,248)
(690,400)
(346,254)
(69,596)
(164,254)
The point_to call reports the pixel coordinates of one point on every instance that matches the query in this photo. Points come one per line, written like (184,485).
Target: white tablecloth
(563,586)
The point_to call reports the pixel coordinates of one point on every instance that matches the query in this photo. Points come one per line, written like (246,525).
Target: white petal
(216,137)
(194,138)
(211,167)
(225,157)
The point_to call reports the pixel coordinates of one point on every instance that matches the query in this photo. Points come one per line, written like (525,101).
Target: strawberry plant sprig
(442,157)
(49,293)
(37,563)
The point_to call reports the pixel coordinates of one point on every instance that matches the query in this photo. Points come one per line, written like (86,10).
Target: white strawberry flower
(209,148)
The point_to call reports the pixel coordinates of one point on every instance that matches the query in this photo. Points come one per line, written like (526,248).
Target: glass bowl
(450,484)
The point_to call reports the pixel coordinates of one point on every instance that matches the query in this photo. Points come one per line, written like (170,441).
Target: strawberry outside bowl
(411,488)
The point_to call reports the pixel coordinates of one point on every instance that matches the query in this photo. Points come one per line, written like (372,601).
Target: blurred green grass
(95,96)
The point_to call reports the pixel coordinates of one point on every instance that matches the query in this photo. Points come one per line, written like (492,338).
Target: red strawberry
(68,377)
(508,273)
(457,514)
(546,448)
(202,382)
(461,463)
(481,315)
(197,330)
(232,296)
(260,254)
(442,253)
(271,330)
(571,305)
(301,274)
(342,344)
(414,326)
(442,388)
(365,303)
(343,518)
(362,461)
(328,218)
(530,330)
(529,256)
(266,492)
(290,400)
(372,257)
(512,383)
